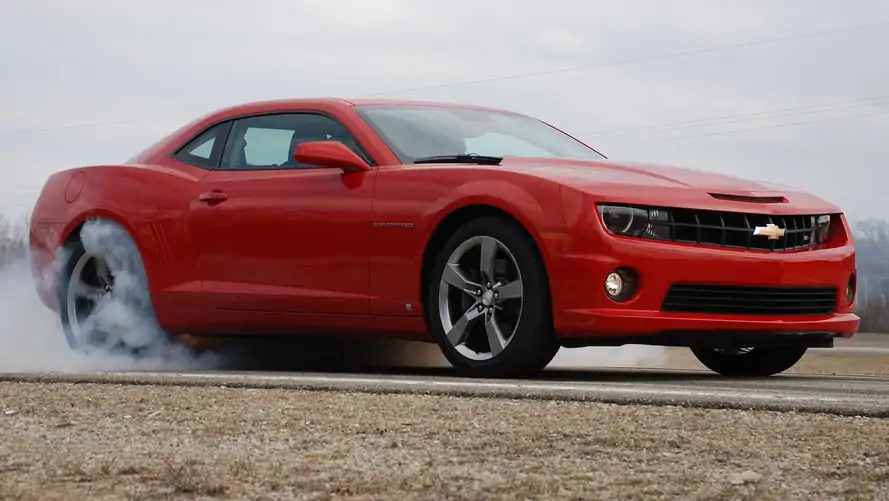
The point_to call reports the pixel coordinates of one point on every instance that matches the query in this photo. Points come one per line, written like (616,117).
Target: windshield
(416,132)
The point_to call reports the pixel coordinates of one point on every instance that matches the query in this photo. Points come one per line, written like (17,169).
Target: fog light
(850,289)
(621,284)
(614,284)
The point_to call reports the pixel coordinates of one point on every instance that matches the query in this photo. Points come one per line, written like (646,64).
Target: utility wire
(514,76)
(622,62)
(743,117)
(750,129)
(88,126)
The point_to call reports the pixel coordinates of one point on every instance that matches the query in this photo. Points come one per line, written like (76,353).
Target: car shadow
(398,358)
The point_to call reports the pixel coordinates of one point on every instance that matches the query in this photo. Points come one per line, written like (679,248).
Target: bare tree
(872,261)
(13,241)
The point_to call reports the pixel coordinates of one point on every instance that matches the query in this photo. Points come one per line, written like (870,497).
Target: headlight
(822,225)
(636,222)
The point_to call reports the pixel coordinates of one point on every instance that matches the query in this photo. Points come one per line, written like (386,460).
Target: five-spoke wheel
(90,288)
(480,297)
(489,303)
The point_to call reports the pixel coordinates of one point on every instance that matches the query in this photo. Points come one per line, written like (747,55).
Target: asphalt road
(846,395)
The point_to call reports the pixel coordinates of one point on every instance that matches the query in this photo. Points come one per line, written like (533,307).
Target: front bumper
(582,309)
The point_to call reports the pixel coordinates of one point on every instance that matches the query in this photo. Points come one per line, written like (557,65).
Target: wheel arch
(74,227)
(73,230)
(453,220)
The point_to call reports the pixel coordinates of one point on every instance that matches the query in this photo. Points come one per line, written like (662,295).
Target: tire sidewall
(74,252)
(762,361)
(534,332)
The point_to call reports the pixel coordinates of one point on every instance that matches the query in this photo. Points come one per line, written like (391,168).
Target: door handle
(213,197)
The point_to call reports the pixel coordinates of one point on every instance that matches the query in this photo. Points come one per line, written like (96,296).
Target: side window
(267,146)
(268,141)
(206,149)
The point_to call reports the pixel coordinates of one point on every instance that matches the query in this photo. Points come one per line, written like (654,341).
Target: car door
(271,235)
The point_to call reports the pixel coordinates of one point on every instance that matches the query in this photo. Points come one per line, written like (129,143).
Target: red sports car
(491,233)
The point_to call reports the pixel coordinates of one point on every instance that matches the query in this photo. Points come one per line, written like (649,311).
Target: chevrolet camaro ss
(491,233)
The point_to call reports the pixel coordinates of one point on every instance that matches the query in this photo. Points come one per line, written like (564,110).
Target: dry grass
(149,443)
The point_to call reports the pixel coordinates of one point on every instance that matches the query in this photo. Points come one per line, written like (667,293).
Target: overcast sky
(65,64)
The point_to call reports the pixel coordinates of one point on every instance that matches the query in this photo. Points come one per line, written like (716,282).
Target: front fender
(527,206)
(418,199)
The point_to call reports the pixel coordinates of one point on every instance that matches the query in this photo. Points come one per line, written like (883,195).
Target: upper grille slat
(737,300)
(735,229)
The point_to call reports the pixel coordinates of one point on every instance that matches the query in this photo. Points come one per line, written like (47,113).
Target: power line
(88,126)
(750,129)
(730,119)
(515,76)
(622,62)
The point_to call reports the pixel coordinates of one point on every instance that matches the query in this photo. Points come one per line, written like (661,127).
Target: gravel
(108,442)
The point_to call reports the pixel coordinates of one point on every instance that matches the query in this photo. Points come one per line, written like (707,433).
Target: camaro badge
(770,230)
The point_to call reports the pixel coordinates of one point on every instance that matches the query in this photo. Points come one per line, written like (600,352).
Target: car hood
(651,184)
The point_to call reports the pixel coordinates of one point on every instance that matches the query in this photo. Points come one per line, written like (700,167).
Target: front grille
(735,229)
(735,300)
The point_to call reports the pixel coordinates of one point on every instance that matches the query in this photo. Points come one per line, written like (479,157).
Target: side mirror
(333,154)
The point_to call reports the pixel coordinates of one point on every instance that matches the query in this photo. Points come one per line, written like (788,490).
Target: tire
(523,323)
(758,362)
(104,302)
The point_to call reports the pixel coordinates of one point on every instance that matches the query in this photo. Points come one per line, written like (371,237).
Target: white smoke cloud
(32,338)
(611,356)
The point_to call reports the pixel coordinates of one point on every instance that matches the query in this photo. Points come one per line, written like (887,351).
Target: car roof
(320,101)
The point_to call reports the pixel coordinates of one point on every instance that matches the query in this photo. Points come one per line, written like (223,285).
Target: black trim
(215,154)
(741,198)
(744,300)
(716,339)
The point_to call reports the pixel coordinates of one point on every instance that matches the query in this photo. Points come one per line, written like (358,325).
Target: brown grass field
(108,442)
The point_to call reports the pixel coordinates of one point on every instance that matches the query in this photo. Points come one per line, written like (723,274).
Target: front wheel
(488,302)
(749,362)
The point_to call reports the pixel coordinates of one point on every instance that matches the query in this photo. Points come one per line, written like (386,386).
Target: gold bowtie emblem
(770,230)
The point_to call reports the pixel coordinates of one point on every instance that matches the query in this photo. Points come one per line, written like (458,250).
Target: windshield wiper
(470,158)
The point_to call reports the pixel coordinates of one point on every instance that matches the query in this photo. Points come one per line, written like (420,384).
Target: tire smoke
(31,335)
(611,356)
(31,338)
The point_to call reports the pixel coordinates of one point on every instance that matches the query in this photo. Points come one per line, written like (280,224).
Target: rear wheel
(749,362)
(104,303)
(488,301)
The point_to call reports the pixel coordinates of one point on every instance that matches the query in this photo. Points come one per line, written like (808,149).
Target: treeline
(13,241)
(872,261)
(871,236)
